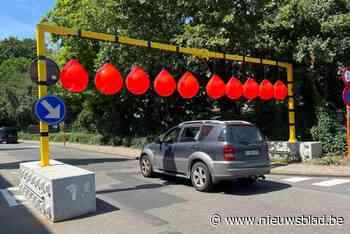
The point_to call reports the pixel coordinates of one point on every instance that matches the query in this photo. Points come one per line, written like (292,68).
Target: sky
(19,17)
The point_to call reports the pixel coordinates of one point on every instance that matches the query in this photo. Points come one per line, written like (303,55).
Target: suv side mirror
(158,140)
(170,141)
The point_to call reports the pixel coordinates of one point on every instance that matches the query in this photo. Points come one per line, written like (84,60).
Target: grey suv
(208,151)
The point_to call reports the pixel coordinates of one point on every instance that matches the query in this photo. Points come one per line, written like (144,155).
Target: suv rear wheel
(200,177)
(146,166)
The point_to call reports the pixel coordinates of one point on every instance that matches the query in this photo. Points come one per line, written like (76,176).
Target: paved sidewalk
(281,169)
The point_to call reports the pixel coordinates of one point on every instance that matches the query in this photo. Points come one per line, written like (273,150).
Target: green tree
(313,35)
(17,91)
(12,47)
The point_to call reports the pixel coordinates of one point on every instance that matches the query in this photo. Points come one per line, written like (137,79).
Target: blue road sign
(50,109)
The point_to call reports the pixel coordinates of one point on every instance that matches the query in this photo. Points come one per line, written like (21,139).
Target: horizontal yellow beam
(203,53)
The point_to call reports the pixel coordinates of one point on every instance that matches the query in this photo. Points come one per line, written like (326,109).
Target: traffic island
(59,191)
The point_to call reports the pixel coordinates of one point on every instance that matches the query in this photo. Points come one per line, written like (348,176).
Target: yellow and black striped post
(291,110)
(42,91)
(202,53)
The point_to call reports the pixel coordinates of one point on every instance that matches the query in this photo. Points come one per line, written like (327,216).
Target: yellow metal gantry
(202,53)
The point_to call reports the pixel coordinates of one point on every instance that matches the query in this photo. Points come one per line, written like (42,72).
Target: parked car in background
(35,129)
(207,152)
(8,135)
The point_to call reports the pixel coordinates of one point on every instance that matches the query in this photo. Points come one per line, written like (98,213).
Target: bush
(326,132)
(329,160)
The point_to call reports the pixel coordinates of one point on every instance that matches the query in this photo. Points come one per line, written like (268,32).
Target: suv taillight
(229,153)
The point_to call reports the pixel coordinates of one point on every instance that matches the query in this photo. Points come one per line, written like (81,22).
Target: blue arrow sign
(50,109)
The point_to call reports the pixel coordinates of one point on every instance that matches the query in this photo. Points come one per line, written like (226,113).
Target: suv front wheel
(146,166)
(200,177)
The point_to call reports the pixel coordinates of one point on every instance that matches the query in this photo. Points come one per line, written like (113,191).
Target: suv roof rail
(238,122)
(202,122)
(215,122)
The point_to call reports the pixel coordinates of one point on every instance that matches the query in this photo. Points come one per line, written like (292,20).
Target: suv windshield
(243,134)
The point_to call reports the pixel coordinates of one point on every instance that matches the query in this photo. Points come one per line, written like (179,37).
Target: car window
(244,134)
(172,136)
(222,136)
(205,131)
(190,134)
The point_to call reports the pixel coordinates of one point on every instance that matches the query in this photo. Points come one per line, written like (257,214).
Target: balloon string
(278,70)
(263,67)
(243,64)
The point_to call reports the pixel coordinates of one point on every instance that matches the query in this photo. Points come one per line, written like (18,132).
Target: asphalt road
(129,203)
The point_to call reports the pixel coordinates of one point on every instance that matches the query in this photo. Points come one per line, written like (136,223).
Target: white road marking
(332,182)
(297,179)
(11,200)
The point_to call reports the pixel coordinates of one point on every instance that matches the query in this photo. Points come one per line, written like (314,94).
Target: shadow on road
(12,165)
(4,183)
(274,165)
(18,148)
(137,187)
(87,161)
(18,219)
(260,187)
(233,187)
(102,207)
(71,161)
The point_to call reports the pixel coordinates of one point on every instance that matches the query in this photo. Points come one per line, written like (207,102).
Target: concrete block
(59,191)
(310,150)
(284,149)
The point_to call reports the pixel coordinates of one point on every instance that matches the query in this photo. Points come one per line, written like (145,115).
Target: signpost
(346,100)
(52,71)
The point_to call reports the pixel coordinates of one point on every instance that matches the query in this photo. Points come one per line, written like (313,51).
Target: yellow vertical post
(44,129)
(291,110)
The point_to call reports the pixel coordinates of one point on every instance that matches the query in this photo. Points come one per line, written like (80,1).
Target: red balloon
(266,90)
(74,77)
(250,89)
(281,90)
(234,88)
(108,79)
(188,85)
(215,87)
(164,84)
(67,65)
(137,81)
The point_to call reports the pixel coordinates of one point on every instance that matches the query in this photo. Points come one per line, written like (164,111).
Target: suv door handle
(195,147)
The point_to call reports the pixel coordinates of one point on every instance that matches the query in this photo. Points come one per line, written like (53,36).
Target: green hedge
(325,131)
(92,139)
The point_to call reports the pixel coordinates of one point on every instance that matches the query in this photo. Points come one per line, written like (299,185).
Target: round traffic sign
(52,71)
(50,109)
(346,95)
